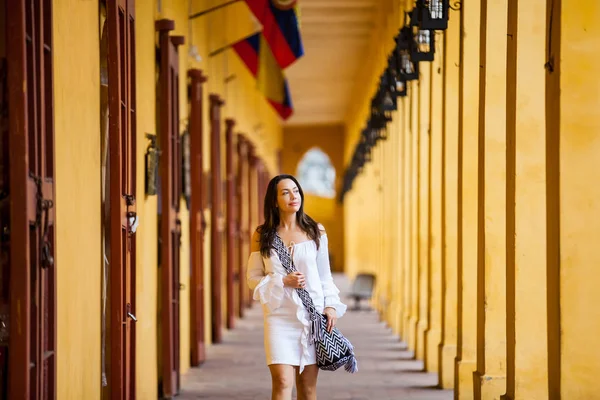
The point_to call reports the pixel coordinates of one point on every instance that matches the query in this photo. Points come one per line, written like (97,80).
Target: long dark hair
(268,230)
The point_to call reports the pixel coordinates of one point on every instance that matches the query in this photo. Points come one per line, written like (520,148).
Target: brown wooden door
(231,222)
(252,199)
(197,222)
(243,228)
(122,176)
(170,194)
(27,236)
(217,220)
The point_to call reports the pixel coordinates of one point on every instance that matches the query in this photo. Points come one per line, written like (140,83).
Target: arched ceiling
(336,36)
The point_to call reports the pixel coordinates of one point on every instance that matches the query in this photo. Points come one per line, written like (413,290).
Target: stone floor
(236,368)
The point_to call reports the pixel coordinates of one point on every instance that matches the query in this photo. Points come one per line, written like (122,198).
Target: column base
(447,358)
(463,386)
(433,337)
(421,337)
(489,386)
(412,334)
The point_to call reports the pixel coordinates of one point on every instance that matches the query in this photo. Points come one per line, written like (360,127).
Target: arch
(316,173)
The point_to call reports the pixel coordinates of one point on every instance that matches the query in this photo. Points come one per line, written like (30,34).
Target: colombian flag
(256,54)
(280,28)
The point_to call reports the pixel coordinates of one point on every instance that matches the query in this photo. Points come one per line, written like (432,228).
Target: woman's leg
(282,377)
(306,382)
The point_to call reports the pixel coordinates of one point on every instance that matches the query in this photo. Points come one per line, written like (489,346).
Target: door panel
(122,176)
(28,308)
(217,220)
(231,222)
(197,223)
(170,195)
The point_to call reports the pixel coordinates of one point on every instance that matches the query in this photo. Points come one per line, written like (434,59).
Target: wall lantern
(152,158)
(407,68)
(423,45)
(433,14)
(386,96)
(392,71)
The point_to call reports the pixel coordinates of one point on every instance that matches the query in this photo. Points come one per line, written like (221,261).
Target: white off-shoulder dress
(286,322)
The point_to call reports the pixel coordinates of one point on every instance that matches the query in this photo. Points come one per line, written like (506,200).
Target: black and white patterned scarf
(332,349)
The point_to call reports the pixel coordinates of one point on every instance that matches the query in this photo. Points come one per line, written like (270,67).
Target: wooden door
(231,223)
(28,275)
(252,200)
(197,222)
(28,301)
(243,227)
(170,195)
(217,220)
(122,176)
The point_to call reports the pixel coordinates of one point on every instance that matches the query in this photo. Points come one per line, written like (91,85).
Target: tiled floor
(236,368)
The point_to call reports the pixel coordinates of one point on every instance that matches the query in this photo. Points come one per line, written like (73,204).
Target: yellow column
(468,187)
(400,231)
(414,231)
(433,334)
(393,228)
(406,218)
(450,203)
(576,63)
(423,206)
(527,363)
(490,378)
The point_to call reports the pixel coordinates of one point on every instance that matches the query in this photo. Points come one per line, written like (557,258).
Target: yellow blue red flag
(256,54)
(281,30)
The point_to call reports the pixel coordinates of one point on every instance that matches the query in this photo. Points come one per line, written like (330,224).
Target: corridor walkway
(236,368)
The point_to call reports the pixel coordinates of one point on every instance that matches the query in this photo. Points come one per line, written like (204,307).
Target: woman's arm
(255,271)
(268,288)
(330,290)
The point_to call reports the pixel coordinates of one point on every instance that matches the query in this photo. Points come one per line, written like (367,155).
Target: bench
(362,289)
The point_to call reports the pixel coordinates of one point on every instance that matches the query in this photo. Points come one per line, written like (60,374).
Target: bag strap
(316,326)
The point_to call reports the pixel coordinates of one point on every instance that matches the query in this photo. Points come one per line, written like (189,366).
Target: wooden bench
(362,289)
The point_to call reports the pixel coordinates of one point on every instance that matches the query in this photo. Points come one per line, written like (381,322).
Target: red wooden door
(243,228)
(231,222)
(170,195)
(123,217)
(28,275)
(217,220)
(253,202)
(197,222)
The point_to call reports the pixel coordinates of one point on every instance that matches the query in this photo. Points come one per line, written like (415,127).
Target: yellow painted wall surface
(78,251)
(519,148)
(329,212)
(147,206)
(579,146)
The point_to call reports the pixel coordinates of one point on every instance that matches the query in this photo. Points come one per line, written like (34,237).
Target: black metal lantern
(401,88)
(407,68)
(399,84)
(433,14)
(386,96)
(423,45)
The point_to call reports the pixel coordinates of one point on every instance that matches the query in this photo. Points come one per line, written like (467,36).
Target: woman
(289,354)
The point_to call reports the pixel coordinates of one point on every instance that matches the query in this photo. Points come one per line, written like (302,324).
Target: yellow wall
(77,127)
(329,212)
(78,235)
(579,145)
(147,235)
(505,247)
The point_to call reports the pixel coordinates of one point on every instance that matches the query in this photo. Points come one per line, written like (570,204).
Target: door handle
(130,315)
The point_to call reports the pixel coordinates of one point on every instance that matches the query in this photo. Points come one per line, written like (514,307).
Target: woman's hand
(295,280)
(331,318)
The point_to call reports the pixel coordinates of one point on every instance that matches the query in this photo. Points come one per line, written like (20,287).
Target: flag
(256,54)
(279,19)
